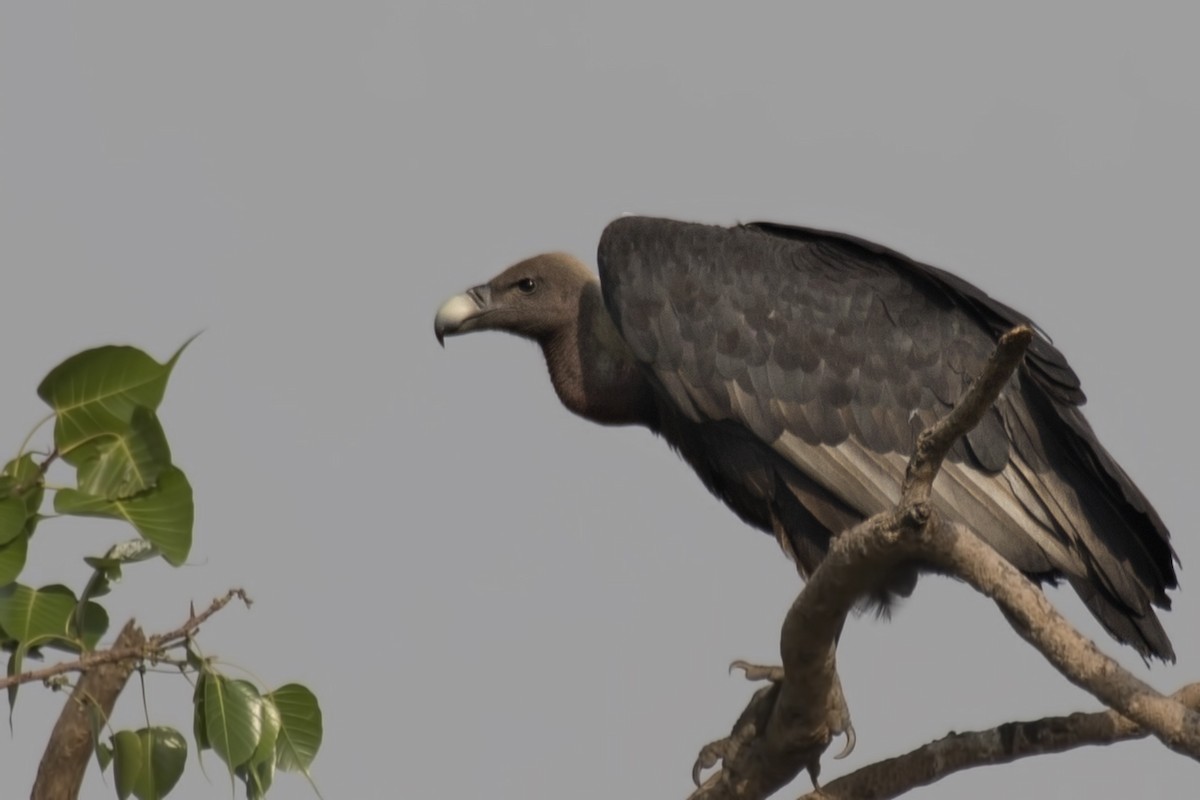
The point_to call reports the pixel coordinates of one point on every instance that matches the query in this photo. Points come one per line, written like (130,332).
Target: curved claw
(851,739)
(757,672)
(708,758)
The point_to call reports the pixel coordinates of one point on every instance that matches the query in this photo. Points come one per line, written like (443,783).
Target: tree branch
(105,674)
(1000,745)
(60,773)
(119,652)
(960,552)
(788,725)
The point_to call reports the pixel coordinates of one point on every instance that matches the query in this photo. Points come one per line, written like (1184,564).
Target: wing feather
(832,353)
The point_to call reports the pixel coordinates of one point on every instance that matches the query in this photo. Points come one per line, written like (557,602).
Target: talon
(757,672)
(710,754)
(848,748)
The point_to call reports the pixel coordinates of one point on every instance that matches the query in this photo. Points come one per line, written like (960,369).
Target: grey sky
(487,594)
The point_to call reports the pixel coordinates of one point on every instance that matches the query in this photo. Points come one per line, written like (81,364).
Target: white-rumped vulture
(793,368)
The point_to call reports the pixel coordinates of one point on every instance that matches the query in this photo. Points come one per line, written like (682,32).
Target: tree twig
(960,552)
(1000,745)
(121,652)
(787,726)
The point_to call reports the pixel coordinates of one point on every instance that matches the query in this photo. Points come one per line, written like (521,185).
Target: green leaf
(258,777)
(96,720)
(270,724)
(164,753)
(95,392)
(148,762)
(14,536)
(89,623)
(12,559)
(29,615)
(23,473)
(106,570)
(12,518)
(162,515)
(104,755)
(195,659)
(129,551)
(128,759)
(200,713)
(259,772)
(125,462)
(300,727)
(14,668)
(233,719)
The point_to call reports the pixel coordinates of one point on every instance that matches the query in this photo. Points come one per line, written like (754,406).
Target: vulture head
(555,300)
(538,299)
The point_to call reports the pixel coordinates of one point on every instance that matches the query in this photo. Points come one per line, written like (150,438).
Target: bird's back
(794,368)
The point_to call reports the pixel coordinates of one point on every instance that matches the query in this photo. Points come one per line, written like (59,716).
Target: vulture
(793,368)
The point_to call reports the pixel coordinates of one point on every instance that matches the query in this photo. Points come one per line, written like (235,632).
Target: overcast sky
(489,596)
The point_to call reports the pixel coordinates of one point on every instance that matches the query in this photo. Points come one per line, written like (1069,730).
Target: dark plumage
(793,368)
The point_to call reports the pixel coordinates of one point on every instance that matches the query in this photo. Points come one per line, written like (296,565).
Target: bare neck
(593,371)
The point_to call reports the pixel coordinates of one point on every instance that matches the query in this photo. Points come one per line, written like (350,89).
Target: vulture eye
(527,286)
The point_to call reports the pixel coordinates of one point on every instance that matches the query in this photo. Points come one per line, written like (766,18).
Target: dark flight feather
(793,369)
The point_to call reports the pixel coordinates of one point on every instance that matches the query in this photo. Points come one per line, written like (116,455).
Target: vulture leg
(748,739)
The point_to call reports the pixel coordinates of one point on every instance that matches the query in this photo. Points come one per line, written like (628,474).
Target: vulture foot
(746,744)
(757,672)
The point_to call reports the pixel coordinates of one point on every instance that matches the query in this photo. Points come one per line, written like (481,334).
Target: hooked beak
(460,313)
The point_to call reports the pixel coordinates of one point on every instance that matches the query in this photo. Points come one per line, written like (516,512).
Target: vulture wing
(794,369)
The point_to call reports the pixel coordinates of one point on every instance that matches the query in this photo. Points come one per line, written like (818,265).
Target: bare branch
(121,652)
(960,552)
(788,725)
(1000,745)
(935,441)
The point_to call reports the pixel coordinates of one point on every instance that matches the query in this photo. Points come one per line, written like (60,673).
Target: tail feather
(1144,632)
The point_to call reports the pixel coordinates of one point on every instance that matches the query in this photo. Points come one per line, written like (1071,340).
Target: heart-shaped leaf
(126,462)
(12,518)
(148,762)
(12,558)
(30,615)
(95,393)
(233,718)
(300,729)
(162,515)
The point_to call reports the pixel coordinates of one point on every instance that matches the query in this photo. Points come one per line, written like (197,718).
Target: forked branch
(787,727)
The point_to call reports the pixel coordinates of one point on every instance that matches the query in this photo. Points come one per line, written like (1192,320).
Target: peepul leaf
(106,570)
(14,667)
(164,755)
(300,729)
(29,615)
(163,515)
(200,713)
(259,772)
(89,623)
(97,721)
(127,761)
(233,718)
(258,777)
(125,462)
(23,473)
(12,558)
(12,519)
(18,514)
(95,392)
